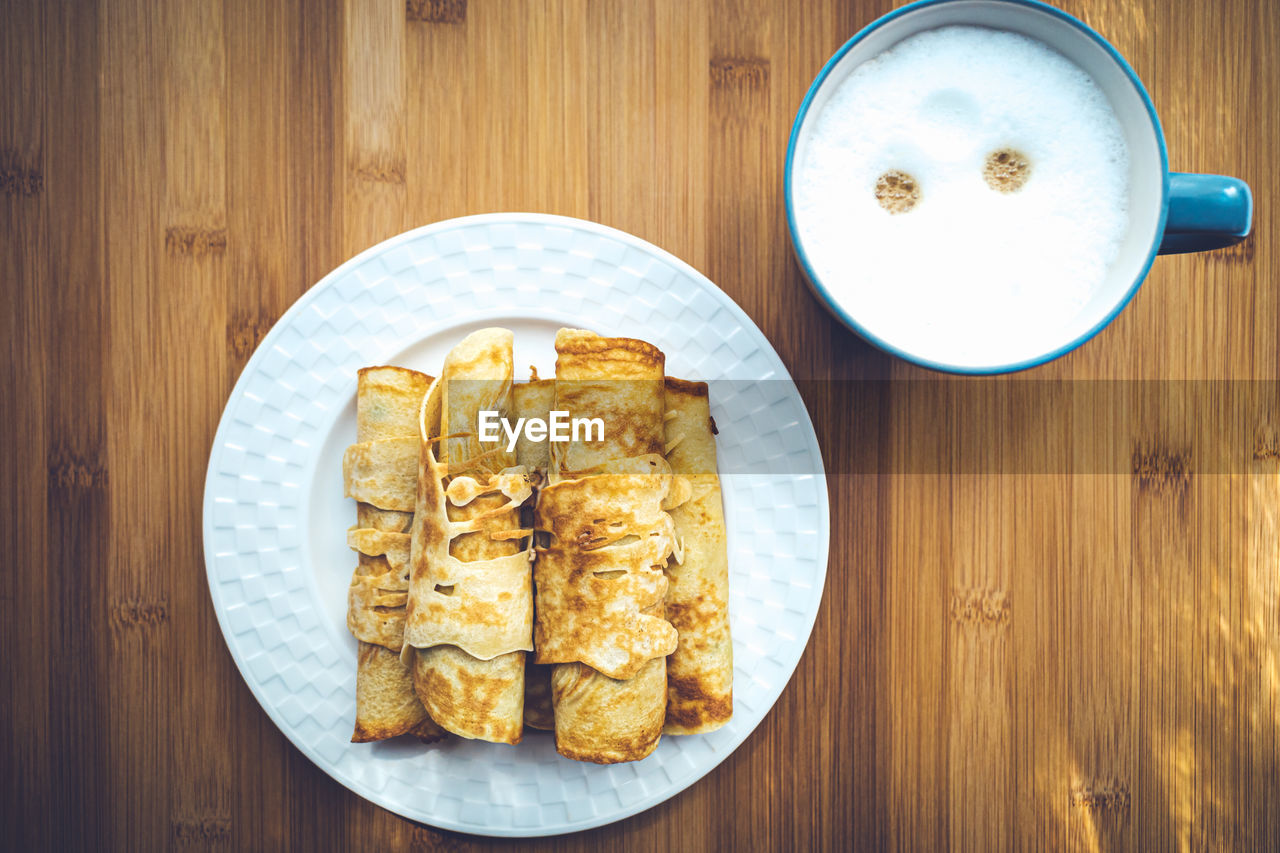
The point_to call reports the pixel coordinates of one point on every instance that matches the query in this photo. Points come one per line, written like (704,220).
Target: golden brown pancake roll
(599,573)
(700,670)
(387,403)
(470,610)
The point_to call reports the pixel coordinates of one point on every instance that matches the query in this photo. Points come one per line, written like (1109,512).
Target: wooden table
(1032,659)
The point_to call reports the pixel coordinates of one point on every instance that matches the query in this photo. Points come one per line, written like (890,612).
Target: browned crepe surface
(387,402)
(604,721)
(598,718)
(471,606)
(618,380)
(600,598)
(700,670)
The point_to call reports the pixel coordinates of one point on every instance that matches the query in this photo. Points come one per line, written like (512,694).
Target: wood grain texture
(1028,659)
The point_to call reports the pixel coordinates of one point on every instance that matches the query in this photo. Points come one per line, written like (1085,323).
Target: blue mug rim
(875,340)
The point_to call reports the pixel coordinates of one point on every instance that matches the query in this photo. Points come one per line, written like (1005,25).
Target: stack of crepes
(631,575)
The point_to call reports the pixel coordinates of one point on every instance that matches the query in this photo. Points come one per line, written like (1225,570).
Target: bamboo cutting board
(1009,655)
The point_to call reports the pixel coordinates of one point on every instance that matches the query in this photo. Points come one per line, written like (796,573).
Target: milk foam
(969,274)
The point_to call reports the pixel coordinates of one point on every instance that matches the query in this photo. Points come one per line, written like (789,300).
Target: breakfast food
(614,539)
(963,194)
(600,574)
(700,670)
(469,620)
(387,401)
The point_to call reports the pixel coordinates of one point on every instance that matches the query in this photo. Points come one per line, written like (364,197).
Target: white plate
(275,519)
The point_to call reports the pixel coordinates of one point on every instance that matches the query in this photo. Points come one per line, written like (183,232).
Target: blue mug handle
(1206,212)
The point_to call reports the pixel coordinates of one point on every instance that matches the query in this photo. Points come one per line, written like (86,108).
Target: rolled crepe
(533,400)
(387,403)
(599,577)
(470,608)
(700,670)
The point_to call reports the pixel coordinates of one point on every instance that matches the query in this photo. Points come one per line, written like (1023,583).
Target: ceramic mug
(1168,211)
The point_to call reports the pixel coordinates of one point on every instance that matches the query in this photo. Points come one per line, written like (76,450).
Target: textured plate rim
(791,660)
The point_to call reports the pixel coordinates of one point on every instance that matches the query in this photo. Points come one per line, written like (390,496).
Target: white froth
(970,275)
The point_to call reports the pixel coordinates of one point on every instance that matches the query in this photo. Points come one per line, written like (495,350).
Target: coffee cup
(1168,212)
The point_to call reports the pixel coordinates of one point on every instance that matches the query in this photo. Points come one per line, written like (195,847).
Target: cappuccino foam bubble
(1019,175)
